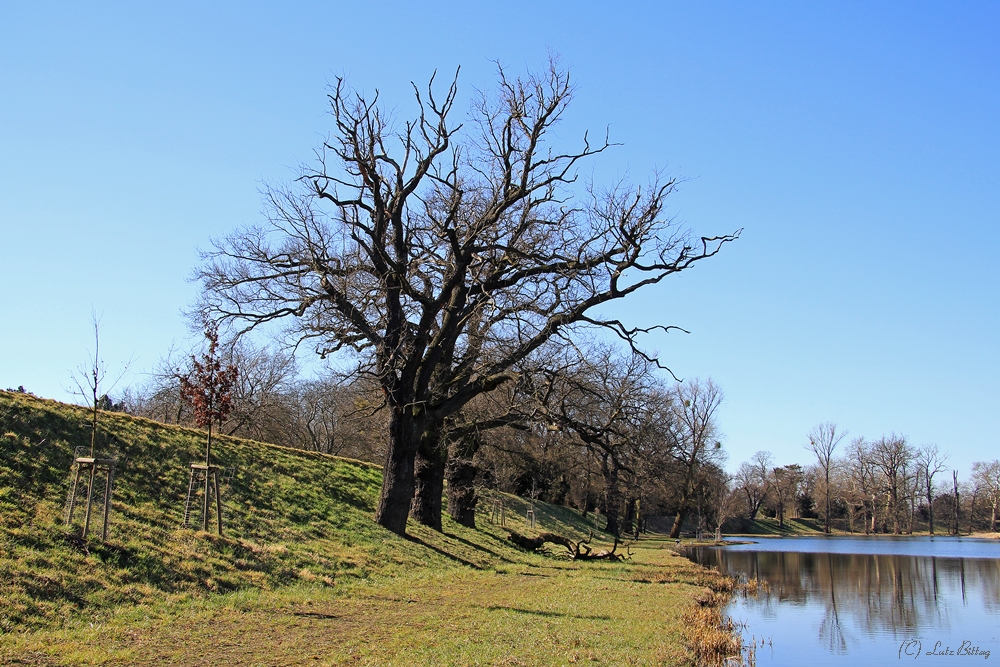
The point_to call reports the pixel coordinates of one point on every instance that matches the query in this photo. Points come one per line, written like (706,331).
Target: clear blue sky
(858,146)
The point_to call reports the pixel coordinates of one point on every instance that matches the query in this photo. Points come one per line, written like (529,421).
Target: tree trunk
(208,468)
(826,515)
(913,511)
(612,495)
(631,523)
(894,501)
(874,513)
(972,510)
(675,532)
(462,497)
(461,474)
(686,492)
(958,504)
(752,505)
(428,476)
(397,474)
(930,506)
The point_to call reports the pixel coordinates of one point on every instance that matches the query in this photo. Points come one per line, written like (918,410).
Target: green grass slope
(769,526)
(291,517)
(303,575)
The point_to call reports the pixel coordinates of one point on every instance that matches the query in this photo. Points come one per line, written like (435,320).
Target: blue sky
(856,145)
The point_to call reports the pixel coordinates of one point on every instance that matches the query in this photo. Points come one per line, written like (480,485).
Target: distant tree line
(885,485)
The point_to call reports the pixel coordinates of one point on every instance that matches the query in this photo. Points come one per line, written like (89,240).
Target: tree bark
(675,531)
(631,523)
(958,504)
(398,473)
(461,473)
(686,492)
(826,515)
(612,495)
(930,506)
(429,465)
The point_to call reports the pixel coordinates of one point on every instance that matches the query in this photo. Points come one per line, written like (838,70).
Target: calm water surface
(867,601)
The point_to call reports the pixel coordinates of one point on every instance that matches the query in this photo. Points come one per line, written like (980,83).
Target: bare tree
(91,381)
(785,487)
(849,491)
(726,501)
(159,396)
(752,479)
(823,441)
(694,407)
(607,400)
(986,479)
(510,406)
(930,461)
(337,415)
(891,454)
(259,393)
(864,480)
(441,259)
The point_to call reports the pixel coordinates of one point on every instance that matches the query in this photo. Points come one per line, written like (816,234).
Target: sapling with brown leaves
(207,387)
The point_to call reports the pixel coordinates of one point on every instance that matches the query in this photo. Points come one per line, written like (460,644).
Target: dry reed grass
(712,637)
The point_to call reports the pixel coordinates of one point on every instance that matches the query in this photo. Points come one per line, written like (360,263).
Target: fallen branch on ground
(577,550)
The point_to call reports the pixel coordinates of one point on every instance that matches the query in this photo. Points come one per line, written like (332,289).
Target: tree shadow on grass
(444,553)
(548,614)
(315,614)
(479,547)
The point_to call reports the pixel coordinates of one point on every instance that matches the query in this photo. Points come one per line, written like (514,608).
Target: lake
(866,600)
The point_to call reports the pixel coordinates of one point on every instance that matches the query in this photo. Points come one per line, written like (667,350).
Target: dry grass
(713,638)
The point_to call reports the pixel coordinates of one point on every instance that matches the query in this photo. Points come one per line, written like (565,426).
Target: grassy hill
(300,548)
(290,516)
(763,525)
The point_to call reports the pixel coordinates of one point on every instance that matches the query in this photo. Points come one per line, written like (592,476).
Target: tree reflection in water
(849,600)
(830,630)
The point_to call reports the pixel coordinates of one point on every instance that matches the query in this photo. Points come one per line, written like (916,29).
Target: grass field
(303,575)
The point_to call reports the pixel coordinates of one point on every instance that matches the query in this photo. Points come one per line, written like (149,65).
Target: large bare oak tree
(441,255)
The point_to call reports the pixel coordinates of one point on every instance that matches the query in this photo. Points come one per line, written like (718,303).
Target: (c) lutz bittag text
(914,648)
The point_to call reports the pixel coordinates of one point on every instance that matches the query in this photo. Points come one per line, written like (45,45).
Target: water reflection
(837,604)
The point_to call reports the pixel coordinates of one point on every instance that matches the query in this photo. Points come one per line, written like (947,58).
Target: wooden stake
(72,497)
(107,502)
(90,498)
(218,500)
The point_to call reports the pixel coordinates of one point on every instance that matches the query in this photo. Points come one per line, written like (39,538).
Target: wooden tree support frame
(96,466)
(207,478)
